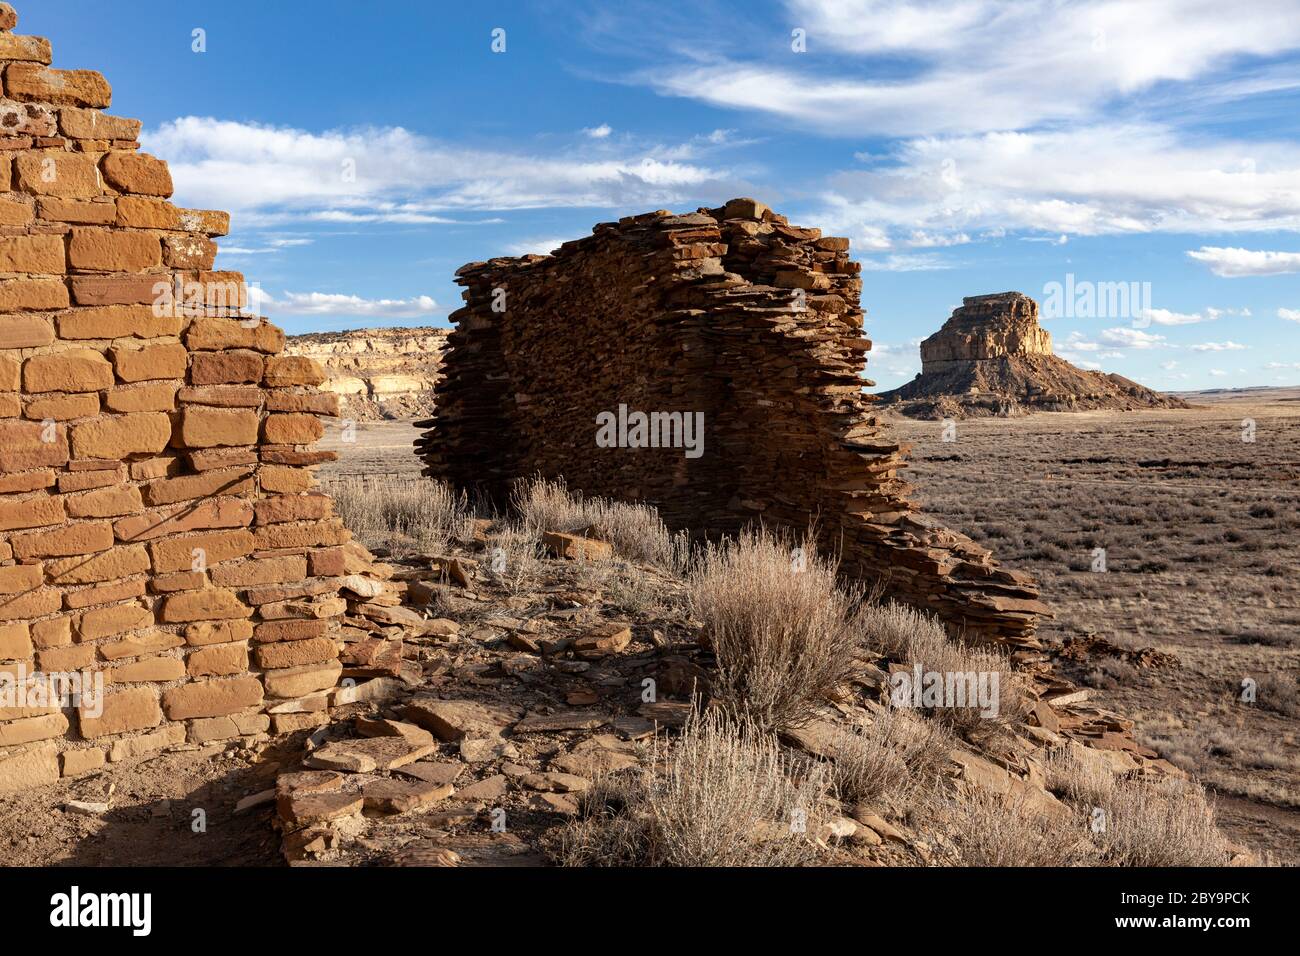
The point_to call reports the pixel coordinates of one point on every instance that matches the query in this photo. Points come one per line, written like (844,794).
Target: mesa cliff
(387,373)
(993,358)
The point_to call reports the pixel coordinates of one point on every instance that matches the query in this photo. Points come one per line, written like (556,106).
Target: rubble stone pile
(159,531)
(729,318)
(993,358)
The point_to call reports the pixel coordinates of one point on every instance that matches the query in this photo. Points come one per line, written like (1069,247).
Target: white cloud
(920,262)
(1217,372)
(1291,315)
(1132,338)
(1233,262)
(325,303)
(1113,178)
(1165,317)
(1218,347)
(536,247)
(886,68)
(599,132)
(267,173)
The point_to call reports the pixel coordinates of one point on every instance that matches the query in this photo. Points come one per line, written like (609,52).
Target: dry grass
(1136,821)
(908,636)
(781,634)
(723,794)
(635,530)
(513,561)
(405,515)
(983,828)
(893,760)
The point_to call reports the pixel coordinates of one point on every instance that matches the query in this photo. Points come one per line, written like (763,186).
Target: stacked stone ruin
(732,313)
(158,523)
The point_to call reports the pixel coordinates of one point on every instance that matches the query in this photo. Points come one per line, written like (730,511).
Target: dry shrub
(513,561)
(780,633)
(897,757)
(984,828)
(1143,821)
(406,515)
(633,529)
(723,794)
(1280,694)
(910,636)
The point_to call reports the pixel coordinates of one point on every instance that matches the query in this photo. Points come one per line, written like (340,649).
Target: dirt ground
(1199,530)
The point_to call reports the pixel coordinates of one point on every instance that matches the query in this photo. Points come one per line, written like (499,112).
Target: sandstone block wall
(158,524)
(732,313)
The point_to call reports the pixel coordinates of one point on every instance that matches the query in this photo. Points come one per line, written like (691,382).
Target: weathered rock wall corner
(159,531)
(731,313)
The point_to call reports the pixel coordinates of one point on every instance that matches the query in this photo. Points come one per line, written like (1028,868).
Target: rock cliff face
(378,373)
(993,358)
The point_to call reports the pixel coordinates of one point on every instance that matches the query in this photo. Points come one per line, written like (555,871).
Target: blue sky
(366,151)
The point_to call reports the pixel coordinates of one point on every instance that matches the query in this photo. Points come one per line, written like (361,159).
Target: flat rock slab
(413,735)
(433,772)
(609,638)
(367,755)
(666,713)
(303,809)
(555,782)
(489,789)
(601,754)
(452,720)
(401,796)
(566,720)
(308,781)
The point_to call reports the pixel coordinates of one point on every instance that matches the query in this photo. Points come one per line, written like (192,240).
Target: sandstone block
(218,660)
(33,768)
(150,362)
(155,397)
(215,334)
(189,252)
(164,739)
(22,332)
(24,49)
(285,370)
(63,408)
(56,660)
(113,620)
(285,654)
(226,368)
(131,172)
(22,295)
(293,429)
(264,571)
(108,565)
(205,550)
(301,681)
(119,437)
(203,427)
(26,81)
(21,577)
(42,255)
(212,698)
(140,645)
(92,124)
(116,322)
(124,710)
(49,173)
(78,211)
(218,632)
(77,763)
(209,605)
(30,513)
(106,250)
(15,642)
(78,539)
(107,503)
(148,670)
(30,604)
(76,370)
(231,481)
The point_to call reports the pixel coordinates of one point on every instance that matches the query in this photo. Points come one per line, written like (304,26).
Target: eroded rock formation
(378,373)
(732,314)
(993,358)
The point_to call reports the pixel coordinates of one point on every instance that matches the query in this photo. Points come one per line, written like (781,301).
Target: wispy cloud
(269,174)
(1233,262)
(1228,346)
(326,303)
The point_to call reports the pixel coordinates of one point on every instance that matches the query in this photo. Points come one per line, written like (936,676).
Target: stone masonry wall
(733,313)
(158,524)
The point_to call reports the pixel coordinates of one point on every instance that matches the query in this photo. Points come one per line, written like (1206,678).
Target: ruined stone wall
(729,312)
(158,526)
